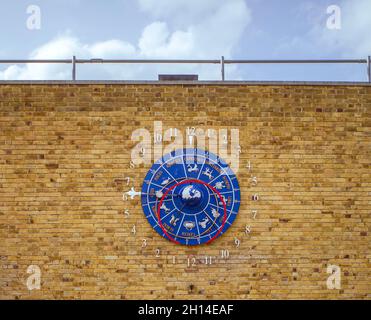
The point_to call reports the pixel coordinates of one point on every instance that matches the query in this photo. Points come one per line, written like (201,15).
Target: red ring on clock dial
(192,181)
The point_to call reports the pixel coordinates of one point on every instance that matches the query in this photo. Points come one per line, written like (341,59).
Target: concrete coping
(187,83)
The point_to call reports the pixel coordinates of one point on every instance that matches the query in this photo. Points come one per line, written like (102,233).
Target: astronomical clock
(191,197)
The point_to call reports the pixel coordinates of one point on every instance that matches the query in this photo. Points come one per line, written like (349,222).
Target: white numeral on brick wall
(334,280)
(34,280)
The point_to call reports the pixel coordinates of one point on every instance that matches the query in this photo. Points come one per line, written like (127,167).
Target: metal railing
(222,62)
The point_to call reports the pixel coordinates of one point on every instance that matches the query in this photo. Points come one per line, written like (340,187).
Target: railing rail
(222,62)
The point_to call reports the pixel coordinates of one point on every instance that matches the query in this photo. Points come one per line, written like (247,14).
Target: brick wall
(65,149)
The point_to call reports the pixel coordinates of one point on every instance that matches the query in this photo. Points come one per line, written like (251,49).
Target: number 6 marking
(255,197)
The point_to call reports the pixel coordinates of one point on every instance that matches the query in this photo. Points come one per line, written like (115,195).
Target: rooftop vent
(178,77)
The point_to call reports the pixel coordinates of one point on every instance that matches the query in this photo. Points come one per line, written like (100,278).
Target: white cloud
(59,48)
(157,42)
(64,47)
(218,33)
(353,39)
(213,29)
(112,48)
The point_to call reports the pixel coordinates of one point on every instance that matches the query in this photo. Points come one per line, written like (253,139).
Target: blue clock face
(190,196)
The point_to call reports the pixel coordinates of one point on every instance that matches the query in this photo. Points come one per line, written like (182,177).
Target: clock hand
(160,194)
(132,194)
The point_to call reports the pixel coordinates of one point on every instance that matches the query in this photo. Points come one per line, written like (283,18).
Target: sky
(185,29)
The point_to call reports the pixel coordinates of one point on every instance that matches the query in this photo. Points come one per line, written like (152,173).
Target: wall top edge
(194,83)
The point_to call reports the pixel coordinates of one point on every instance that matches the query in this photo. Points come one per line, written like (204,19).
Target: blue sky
(202,29)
